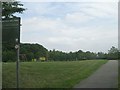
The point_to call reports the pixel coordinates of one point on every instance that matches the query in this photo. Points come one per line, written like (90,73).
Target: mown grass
(119,74)
(119,80)
(49,74)
(0,75)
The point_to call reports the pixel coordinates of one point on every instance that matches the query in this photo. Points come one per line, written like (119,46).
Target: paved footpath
(105,77)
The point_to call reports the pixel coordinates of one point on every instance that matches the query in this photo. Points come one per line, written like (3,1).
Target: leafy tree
(9,55)
(33,51)
(113,50)
(113,53)
(101,55)
(10,8)
(88,55)
(29,56)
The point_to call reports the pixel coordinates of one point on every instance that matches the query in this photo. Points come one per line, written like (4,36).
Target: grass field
(49,74)
(0,75)
(119,74)
(119,81)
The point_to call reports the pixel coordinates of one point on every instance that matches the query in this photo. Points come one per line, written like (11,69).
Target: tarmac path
(105,77)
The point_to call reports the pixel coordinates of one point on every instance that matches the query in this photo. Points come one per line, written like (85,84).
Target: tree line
(81,55)
(30,52)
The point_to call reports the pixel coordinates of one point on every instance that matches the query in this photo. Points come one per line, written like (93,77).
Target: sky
(71,26)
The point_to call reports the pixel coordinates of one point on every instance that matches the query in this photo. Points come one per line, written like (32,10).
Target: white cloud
(69,37)
(41,25)
(77,18)
(75,30)
(69,0)
(102,9)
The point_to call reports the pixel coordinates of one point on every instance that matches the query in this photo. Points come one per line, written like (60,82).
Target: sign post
(17,47)
(11,39)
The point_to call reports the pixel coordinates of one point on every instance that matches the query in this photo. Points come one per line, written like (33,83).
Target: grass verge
(49,74)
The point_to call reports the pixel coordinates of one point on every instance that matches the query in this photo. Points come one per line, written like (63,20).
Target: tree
(113,53)
(101,55)
(33,51)
(10,8)
(9,55)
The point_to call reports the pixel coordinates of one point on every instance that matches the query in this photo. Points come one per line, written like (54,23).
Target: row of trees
(80,55)
(28,52)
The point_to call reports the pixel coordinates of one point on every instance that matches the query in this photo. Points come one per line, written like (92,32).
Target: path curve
(105,77)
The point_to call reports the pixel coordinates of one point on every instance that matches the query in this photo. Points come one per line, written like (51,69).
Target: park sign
(11,38)
(10,30)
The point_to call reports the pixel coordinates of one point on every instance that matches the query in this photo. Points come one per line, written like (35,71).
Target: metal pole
(18,59)
(17,67)
(17,46)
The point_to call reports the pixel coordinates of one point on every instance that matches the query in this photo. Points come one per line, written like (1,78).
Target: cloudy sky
(71,26)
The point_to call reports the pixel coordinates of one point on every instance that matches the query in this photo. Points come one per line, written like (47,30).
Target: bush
(9,56)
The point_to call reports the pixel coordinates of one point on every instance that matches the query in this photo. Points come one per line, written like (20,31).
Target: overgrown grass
(49,74)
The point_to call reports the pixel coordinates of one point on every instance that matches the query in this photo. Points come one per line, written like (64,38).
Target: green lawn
(119,82)
(119,74)
(49,74)
(0,74)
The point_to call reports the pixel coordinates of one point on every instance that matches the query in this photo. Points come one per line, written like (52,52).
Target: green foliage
(78,55)
(101,55)
(113,53)
(49,74)
(33,51)
(30,51)
(9,56)
(57,55)
(29,56)
(8,52)
(10,8)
